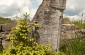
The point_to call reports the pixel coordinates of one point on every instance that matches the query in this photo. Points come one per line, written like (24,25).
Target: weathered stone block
(49,16)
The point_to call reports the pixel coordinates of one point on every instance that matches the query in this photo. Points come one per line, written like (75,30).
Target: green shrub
(74,47)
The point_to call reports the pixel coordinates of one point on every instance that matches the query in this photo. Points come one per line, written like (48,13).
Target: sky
(12,8)
(74,9)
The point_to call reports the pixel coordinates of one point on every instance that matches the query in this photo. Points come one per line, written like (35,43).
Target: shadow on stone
(1,28)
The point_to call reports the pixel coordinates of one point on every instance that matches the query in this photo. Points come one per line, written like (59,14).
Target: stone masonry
(49,16)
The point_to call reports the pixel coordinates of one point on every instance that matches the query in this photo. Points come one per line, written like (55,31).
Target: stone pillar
(49,16)
(56,8)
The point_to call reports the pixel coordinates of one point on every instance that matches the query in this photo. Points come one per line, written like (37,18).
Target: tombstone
(49,15)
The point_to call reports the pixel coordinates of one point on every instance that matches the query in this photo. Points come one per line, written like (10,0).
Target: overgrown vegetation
(5,20)
(75,46)
(78,24)
(23,44)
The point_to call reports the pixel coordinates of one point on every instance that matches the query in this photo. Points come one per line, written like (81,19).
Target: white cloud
(72,18)
(74,9)
(33,11)
(10,8)
(75,18)
(6,2)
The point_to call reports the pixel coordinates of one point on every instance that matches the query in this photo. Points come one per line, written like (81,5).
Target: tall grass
(75,46)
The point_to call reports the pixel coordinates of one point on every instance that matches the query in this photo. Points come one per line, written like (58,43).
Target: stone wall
(8,26)
(6,30)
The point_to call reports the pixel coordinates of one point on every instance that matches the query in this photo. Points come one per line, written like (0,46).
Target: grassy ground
(5,20)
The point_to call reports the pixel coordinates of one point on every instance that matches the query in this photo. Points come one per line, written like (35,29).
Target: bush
(74,47)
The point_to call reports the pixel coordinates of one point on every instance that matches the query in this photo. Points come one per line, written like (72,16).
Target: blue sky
(11,8)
